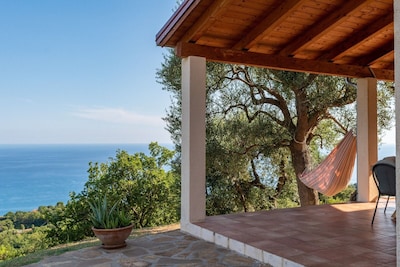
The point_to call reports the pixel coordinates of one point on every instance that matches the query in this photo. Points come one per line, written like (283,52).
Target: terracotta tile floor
(326,235)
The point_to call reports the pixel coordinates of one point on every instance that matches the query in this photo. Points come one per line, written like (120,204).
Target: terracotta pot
(113,238)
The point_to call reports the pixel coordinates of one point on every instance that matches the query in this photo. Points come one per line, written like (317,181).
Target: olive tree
(258,117)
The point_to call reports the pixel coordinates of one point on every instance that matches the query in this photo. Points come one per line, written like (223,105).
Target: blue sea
(42,175)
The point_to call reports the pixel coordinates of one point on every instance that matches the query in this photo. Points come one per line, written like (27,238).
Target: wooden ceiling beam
(262,28)
(367,32)
(280,62)
(320,27)
(382,51)
(207,19)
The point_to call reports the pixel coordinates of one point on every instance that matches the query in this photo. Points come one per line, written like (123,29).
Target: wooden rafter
(321,27)
(358,37)
(205,21)
(267,24)
(376,54)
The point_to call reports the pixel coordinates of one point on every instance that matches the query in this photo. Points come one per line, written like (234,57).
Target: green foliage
(344,196)
(22,233)
(6,224)
(145,187)
(104,216)
(15,243)
(25,219)
(68,223)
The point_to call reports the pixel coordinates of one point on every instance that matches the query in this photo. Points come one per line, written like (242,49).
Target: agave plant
(106,216)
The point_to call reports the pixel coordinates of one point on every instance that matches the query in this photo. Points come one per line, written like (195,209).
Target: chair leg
(386,204)
(376,206)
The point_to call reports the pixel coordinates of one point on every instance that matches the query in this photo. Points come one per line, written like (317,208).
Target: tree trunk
(301,160)
(242,196)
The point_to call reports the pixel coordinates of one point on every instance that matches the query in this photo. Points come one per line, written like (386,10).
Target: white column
(367,138)
(193,169)
(397,107)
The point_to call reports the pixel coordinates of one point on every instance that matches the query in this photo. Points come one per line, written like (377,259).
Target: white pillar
(193,168)
(367,138)
(397,108)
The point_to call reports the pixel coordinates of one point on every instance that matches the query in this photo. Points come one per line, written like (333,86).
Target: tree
(145,186)
(140,182)
(259,116)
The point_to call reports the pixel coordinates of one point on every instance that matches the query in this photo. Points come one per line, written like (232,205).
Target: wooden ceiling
(353,38)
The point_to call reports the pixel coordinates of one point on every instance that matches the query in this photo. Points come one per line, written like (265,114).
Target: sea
(43,175)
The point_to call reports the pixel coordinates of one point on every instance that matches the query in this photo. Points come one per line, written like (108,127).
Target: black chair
(384,173)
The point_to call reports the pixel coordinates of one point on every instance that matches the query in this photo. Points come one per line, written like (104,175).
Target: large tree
(258,117)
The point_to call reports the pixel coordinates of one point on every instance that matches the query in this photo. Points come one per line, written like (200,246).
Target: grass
(40,255)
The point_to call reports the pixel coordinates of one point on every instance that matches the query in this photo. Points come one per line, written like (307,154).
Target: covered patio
(354,39)
(326,235)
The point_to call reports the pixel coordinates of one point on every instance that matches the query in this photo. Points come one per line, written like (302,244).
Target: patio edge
(237,246)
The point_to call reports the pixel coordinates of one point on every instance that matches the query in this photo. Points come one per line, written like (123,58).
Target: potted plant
(110,224)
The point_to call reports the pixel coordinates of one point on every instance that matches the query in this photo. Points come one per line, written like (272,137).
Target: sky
(82,71)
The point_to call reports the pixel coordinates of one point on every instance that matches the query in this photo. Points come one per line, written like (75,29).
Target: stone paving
(172,248)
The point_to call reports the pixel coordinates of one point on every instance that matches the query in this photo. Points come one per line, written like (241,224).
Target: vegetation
(38,255)
(264,128)
(22,233)
(348,194)
(106,216)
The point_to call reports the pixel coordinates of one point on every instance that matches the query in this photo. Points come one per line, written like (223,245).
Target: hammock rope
(333,174)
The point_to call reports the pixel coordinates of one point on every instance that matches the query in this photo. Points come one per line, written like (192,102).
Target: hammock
(333,174)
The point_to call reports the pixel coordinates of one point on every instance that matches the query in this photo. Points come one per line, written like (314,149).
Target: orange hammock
(333,174)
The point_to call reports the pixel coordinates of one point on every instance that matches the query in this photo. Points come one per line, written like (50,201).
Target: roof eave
(174,22)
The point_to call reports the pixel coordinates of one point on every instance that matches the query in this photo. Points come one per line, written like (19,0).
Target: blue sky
(82,71)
